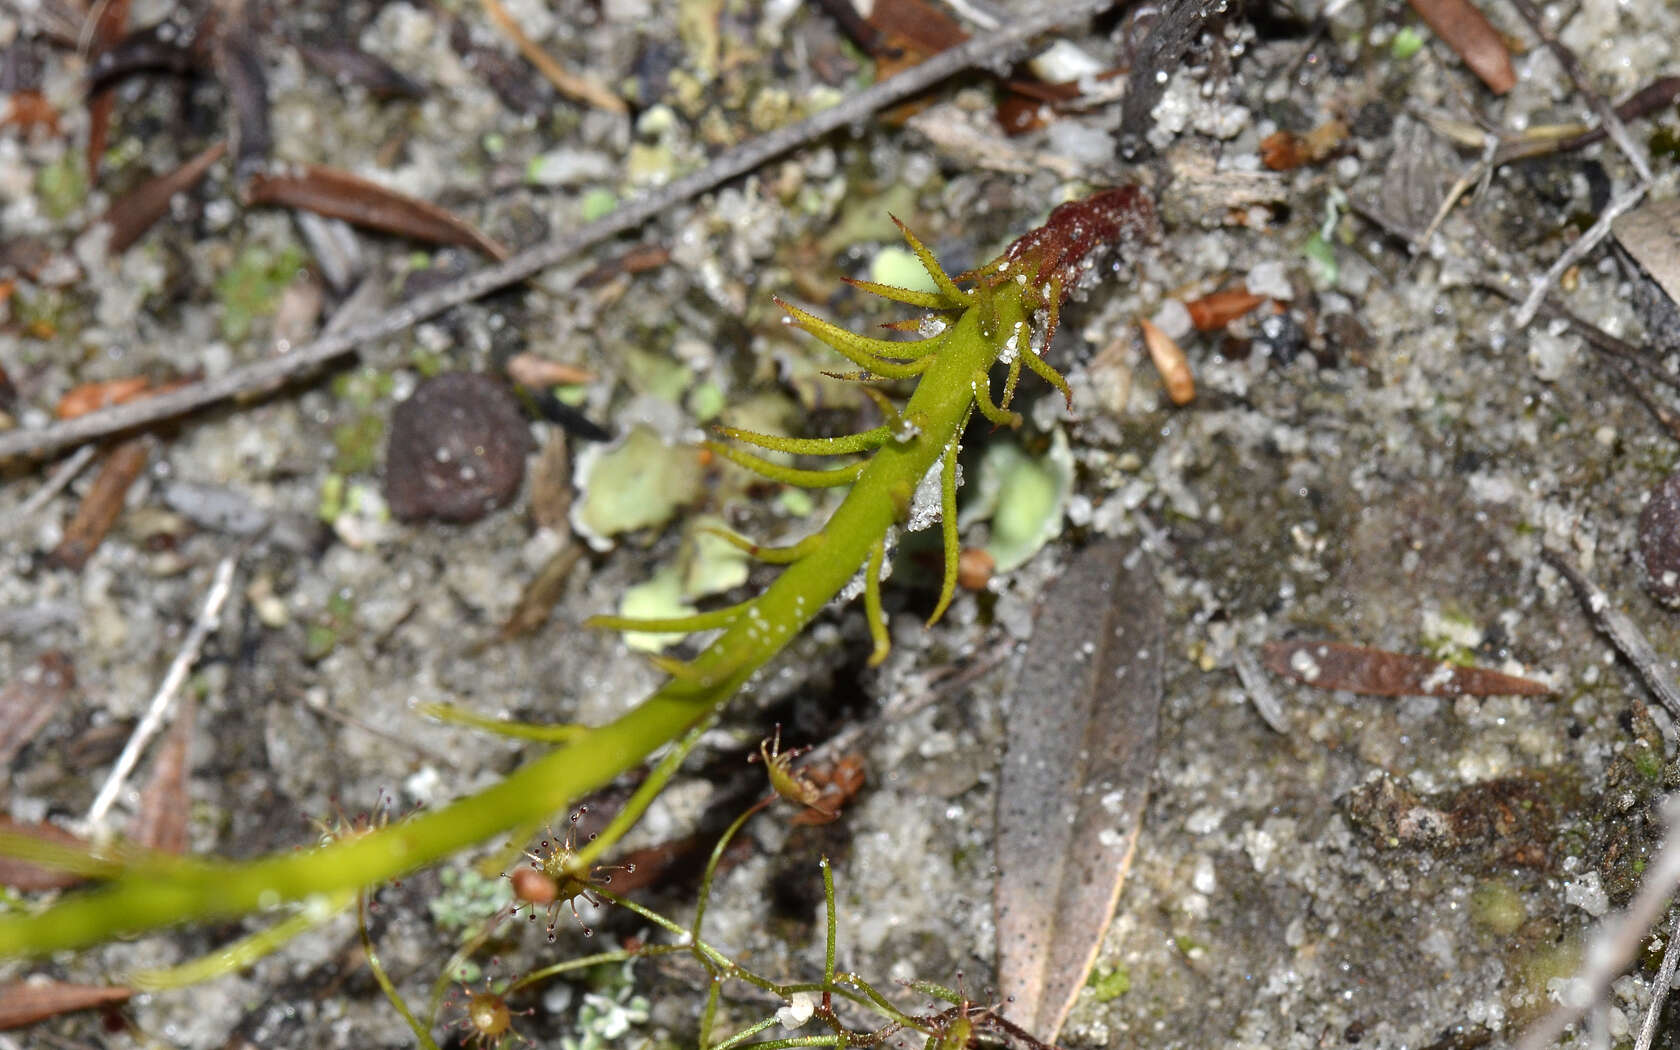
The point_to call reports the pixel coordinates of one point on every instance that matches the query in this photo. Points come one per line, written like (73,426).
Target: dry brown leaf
(341,195)
(26,1002)
(161,821)
(91,397)
(534,370)
(27,877)
(907,33)
(1378,672)
(540,595)
(109,27)
(28,701)
(29,110)
(551,486)
(131,215)
(1462,27)
(1286,150)
(1215,311)
(1651,235)
(104,501)
(1081,744)
(572,85)
(1170,362)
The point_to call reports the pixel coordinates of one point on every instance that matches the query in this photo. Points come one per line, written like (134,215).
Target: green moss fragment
(1323,259)
(1407,42)
(1647,761)
(252,285)
(62,185)
(331,502)
(1108,983)
(356,445)
(1497,907)
(363,387)
(319,640)
(598,203)
(427,362)
(42,313)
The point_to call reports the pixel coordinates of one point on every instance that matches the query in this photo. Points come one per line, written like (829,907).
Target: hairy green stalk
(967,332)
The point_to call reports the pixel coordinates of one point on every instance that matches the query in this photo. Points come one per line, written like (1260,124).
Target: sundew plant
(965,350)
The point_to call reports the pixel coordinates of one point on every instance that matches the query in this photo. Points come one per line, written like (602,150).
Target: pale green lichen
(636,484)
(657,598)
(1024,496)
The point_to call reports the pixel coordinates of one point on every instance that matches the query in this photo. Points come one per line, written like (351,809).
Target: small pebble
(457,449)
(1281,337)
(1659,541)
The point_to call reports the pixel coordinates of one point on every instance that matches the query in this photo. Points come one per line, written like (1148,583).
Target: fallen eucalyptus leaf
(362,202)
(1081,749)
(1378,672)
(26,1002)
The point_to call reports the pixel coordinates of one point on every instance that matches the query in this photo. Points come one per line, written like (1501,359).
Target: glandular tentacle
(948,526)
(982,384)
(872,603)
(921,300)
(935,272)
(1042,369)
(704,621)
(770,555)
(866,352)
(809,479)
(844,445)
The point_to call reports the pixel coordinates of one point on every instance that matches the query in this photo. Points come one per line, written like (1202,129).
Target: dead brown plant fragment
(360,202)
(24,1003)
(1463,27)
(30,699)
(1378,672)
(104,502)
(131,215)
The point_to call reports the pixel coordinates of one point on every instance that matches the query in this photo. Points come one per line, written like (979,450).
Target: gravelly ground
(1388,478)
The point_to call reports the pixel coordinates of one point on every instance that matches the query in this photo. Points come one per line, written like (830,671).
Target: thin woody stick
(185,657)
(272,372)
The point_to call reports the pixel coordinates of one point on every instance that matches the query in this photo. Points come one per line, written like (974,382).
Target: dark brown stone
(457,449)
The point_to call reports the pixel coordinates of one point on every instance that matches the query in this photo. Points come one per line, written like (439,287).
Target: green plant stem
(200,890)
(423,1036)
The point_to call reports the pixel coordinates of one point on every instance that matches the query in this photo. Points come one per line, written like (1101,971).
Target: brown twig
(275,371)
(1613,126)
(572,85)
(102,504)
(1607,117)
(1647,100)
(1598,338)
(1621,631)
(209,615)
